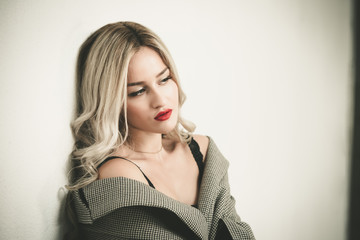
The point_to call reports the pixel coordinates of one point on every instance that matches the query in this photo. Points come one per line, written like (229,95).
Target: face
(152,102)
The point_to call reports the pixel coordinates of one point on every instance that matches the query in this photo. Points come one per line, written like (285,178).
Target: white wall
(270,81)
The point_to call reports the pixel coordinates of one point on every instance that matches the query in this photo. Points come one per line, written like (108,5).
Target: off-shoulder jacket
(122,208)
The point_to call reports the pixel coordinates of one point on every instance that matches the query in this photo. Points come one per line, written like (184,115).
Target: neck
(145,142)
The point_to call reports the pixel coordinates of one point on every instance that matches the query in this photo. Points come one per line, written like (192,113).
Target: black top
(195,150)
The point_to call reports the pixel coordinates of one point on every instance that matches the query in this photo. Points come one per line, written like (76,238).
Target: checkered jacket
(122,208)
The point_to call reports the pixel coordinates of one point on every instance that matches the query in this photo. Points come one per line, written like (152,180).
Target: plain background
(269,81)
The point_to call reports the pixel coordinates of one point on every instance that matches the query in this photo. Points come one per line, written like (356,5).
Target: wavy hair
(100,123)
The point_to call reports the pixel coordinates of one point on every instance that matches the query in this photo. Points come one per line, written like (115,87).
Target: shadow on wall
(64,222)
(354,209)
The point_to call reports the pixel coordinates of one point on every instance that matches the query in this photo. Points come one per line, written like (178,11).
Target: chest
(177,176)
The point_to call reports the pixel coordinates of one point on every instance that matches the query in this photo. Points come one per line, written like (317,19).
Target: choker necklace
(149,152)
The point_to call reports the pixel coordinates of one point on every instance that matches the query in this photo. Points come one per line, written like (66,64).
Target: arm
(225,220)
(234,226)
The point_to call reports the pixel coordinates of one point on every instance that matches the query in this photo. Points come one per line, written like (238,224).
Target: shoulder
(203,142)
(119,167)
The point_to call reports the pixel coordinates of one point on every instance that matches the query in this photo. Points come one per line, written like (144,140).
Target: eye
(137,93)
(163,81)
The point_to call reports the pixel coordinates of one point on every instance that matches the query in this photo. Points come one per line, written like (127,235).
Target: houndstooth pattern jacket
(122,208)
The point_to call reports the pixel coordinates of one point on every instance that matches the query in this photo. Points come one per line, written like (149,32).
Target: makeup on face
(152,94)
(140,88)
(163,115)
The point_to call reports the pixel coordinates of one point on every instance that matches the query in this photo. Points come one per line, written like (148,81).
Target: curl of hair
(100,123)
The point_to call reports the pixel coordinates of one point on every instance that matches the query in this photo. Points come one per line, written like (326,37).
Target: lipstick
(164,115)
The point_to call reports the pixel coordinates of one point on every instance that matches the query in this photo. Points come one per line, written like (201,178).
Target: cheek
(174,93)
(133,112)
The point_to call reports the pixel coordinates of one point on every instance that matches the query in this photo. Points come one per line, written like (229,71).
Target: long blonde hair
(100,123)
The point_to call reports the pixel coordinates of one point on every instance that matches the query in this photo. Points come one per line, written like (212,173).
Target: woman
(138,172)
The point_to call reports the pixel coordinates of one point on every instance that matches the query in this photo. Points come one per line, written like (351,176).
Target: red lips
(164,115)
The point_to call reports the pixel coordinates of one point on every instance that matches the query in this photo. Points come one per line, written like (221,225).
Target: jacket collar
(216,167)
(106,195)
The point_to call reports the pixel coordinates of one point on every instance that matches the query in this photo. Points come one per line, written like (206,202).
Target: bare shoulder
(119,167)
(203,142)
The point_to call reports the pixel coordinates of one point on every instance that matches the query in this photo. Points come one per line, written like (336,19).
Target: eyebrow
(139,83)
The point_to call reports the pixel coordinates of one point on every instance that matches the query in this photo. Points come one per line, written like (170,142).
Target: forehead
(146,64)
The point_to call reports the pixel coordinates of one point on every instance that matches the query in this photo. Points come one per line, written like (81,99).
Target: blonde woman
(138,172)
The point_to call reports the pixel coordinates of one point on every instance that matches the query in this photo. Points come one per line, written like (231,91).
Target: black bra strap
(195,150)
(112,157)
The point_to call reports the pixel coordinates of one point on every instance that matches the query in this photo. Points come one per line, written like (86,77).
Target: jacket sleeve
(230,225)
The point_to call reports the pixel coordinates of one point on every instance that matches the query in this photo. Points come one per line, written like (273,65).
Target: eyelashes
(143,89)
(137,93)
(166,79)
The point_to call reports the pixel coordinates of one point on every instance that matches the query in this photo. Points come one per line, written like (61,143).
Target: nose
(157,99)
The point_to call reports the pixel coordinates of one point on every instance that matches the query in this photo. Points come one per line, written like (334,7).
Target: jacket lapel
(106,195)
(215,168)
